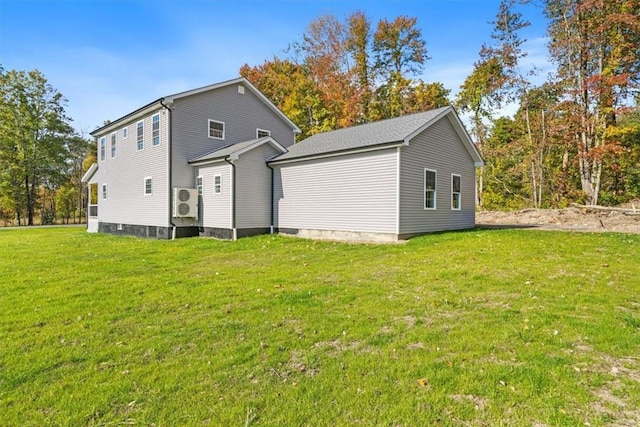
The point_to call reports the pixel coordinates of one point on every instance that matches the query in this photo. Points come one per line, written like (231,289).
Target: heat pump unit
(185,203)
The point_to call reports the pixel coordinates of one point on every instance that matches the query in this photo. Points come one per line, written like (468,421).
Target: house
(221,161)
(143,183)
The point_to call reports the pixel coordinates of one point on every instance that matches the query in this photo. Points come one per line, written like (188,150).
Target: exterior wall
(242,114)
(355,193)
(253,188)
(126,202)
(438,148)
(215,209)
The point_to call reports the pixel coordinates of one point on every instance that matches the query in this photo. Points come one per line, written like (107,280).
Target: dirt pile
(624,219)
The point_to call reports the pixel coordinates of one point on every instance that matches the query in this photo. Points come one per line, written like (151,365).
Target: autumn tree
(594,44)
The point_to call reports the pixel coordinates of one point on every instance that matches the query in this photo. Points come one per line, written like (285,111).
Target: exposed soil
(624,219)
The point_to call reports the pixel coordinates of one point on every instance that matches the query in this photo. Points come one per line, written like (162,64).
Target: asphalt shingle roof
(361,136)
(226,151)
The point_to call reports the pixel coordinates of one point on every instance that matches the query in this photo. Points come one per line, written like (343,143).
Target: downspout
(233,199)
(273,194)
(170,159)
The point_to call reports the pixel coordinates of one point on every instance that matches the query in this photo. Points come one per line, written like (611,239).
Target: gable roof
(389,132)
(170,98)
(233,151)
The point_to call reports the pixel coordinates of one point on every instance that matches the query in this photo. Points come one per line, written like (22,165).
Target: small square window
(216,129)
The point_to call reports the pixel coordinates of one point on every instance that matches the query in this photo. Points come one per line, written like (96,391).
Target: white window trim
(113,143)
(104,191)
(125,132)
(150,179)
(103,148)
(152,137)
(459,193)
(258,130)
(424,190)
(200,184)
(215,186)
(224,129)
(137,141)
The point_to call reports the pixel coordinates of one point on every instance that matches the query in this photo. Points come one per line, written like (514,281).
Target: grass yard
(477,328)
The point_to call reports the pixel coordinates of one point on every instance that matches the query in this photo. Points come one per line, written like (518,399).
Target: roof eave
(132,115)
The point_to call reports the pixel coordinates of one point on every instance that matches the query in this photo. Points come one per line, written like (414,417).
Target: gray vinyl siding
(253,188)
(124,175)
(437,148)
(215,209)
(242,114)
(355,192)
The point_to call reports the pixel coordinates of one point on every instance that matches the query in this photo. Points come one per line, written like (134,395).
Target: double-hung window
(217,184)
(456,197)
(114,146)
(148,186)
(216,129)
(199,185)
(103,148)
(104,191)
(155,129)
(140,134)
(430,178)
(125,132)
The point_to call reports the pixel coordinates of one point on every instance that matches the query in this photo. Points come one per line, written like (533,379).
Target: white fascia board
(259,142)
(89,173)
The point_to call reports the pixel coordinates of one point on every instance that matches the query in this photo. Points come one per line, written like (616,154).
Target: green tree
(33,132)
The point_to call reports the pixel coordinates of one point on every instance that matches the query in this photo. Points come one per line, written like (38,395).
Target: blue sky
(111,57)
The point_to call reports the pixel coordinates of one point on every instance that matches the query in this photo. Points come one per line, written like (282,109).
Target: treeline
(574,138)
(42,159)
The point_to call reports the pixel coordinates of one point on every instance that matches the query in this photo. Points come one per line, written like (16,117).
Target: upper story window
(140,134)
(114,146)
(216,129)
(456,195)
(261,133)
(103,148)
(125,132)
(104,191)
(199,185)
(430,178)
(155,129)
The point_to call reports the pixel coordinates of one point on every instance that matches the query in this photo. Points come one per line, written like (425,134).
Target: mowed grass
(480,328)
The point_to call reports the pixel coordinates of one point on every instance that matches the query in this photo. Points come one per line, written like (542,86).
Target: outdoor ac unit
(185,203)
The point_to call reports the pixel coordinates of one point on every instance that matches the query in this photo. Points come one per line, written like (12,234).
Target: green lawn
(477,328)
